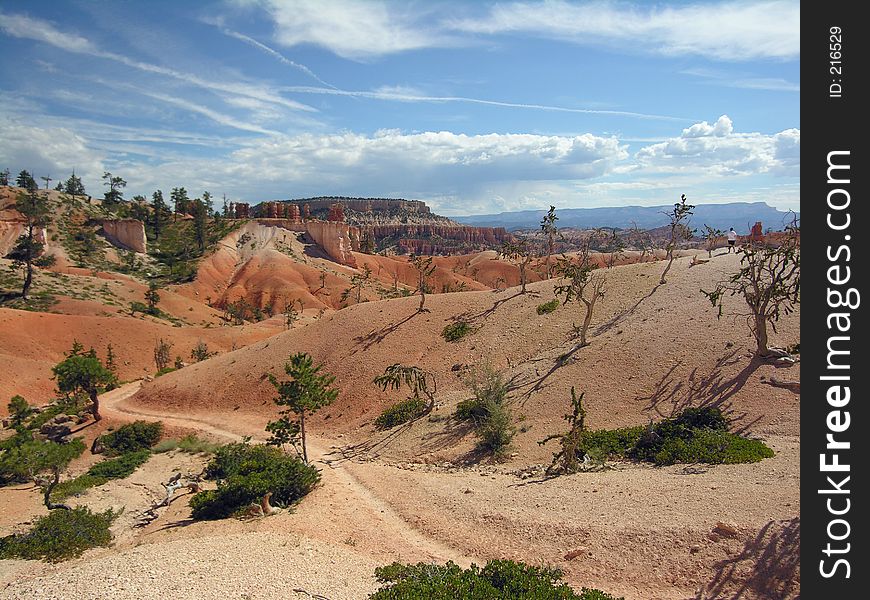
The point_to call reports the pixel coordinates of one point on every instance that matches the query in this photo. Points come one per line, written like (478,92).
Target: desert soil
(420,494)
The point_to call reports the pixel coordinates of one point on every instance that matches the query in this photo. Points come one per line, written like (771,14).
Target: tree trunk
(46,497)
(761,335)
(523,278)
(670,258)
(302,430)
(95,405)
(28,279)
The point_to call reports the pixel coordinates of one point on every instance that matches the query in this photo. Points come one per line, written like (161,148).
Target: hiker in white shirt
(732,240)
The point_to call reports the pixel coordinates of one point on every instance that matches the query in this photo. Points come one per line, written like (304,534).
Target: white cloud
(43,31)
(22,26)
(725,79)
(352,29)
(722,30)
(54,151)
(718,150)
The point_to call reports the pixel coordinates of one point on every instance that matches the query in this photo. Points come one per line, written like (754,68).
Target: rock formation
(127,233)
(339,240)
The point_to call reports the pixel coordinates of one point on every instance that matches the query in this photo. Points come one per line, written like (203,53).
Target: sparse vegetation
(60,535)
(520,254)
(245,473)
(102,472)
(498,579)
(769,281)
(487,409)
(456,331)
(132,437)
(422,383)
(548,227)
(425,268)
(161,355)
(696,435)
(581,284)
(401,412)
(548,307)
(679,231)
(190,444)
(201,352)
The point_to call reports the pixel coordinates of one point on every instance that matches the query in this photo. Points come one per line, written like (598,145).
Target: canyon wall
(127,233)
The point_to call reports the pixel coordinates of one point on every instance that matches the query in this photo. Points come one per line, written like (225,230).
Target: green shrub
(139,435)
(498,579)
(60,535)
(164,371)
(22,456)
(164,446)
(401,412)
(190,444)
(194,445)
(495,431)
(118,468)
(488,386)
(548,307)
(695,435)
(456,331)
(100,473)
(245,473)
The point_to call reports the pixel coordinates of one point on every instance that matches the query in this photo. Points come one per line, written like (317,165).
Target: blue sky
(474,107)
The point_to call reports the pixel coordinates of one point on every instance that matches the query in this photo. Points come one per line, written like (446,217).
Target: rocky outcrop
(127,233)
(437,239)
(58,428)
(339,240)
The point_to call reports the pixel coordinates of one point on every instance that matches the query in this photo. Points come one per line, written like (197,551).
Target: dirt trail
(363,510)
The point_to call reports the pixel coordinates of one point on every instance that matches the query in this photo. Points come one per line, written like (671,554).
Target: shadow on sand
(767,567)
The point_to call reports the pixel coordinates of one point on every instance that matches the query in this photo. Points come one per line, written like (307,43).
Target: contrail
(275,53)
(417,98)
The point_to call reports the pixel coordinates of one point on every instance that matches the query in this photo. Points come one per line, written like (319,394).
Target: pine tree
(35,210)
(158,216)
(74,186)
(305,392)
(114,195)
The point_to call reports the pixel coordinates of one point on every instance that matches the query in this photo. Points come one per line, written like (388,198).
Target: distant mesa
(739,215)
(381,224)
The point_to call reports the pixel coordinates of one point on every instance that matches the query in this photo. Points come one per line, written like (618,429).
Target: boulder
(58,428)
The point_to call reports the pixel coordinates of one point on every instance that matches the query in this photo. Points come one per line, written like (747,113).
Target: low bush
(102,472)
(498,579)
(60,535)
(548,307)
(190,444)
(139,435)
(496,430)
(695,435)
(456,331)
(245,473)
(401,412)
(488,410)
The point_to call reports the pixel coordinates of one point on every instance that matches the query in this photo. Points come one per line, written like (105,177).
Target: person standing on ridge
(732,240)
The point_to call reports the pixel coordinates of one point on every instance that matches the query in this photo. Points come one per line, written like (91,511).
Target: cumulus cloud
(721,30)
(718,150)
(54,151)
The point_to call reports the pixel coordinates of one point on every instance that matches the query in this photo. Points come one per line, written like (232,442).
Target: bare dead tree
(679,231)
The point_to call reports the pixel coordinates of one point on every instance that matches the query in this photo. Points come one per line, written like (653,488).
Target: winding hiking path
(345,510)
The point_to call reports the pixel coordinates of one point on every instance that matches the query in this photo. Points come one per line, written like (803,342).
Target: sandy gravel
(255,565)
